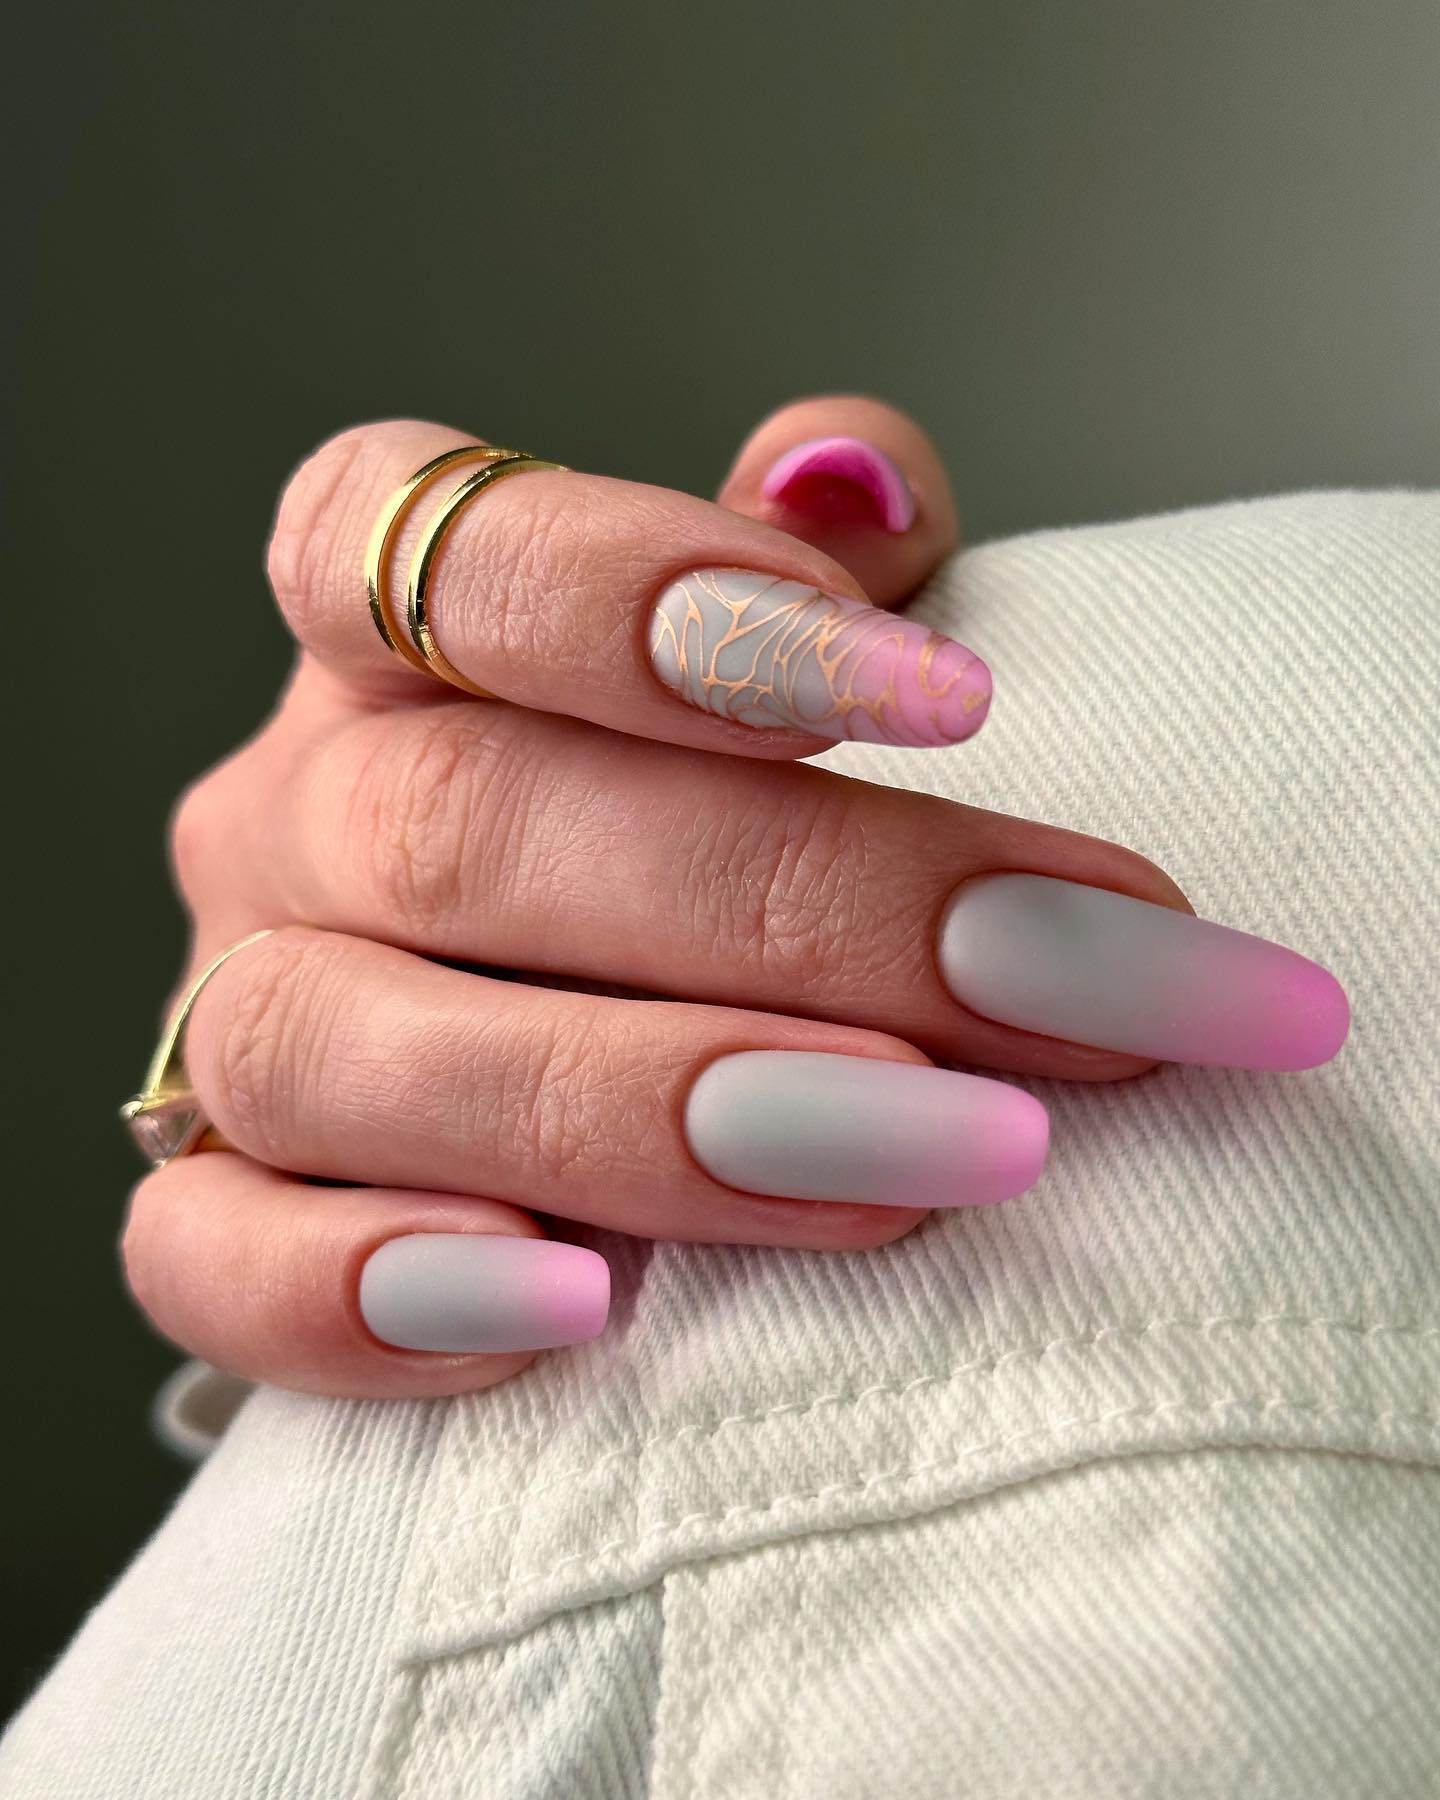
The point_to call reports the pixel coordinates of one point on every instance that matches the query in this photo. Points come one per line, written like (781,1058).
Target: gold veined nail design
(771,653)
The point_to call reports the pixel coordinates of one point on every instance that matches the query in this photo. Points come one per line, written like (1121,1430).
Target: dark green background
(1117,257)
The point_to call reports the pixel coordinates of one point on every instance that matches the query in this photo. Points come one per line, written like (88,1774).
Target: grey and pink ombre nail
(1119,973)
(461,1293)
(771,653)
(810,1125)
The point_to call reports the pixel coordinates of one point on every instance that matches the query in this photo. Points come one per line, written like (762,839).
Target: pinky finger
(368,1293)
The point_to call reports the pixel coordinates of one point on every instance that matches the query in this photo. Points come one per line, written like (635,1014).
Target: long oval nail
(468,1292)
(1096,967)
(805,1125)
(853,462)
(769,652)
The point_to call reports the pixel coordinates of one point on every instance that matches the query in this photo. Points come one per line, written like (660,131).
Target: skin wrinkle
(552,559)
(812,904)
(250,1039)
(309,556)
(526,1092)
(772,890)
(669,908)
(423,815)
(563,1117)
(569,861)
(406,825)
(754,895)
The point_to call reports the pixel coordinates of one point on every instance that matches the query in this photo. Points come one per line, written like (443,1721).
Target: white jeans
(1125,1488)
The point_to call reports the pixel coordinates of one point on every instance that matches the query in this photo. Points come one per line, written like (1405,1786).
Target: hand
(615,817)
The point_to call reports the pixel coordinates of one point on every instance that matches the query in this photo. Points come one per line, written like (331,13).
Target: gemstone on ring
(164,1126)
(165,1118)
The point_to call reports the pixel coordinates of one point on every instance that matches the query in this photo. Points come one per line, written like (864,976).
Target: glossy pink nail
(849,460)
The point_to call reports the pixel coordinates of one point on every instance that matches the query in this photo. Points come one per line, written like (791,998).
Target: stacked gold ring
(416,644)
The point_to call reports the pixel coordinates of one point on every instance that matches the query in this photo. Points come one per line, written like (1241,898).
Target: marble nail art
(772,653)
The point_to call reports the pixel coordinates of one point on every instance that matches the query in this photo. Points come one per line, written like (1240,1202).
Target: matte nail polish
(768,653)
(469,1292)
(806,1125)
(851,460)
(1080,962)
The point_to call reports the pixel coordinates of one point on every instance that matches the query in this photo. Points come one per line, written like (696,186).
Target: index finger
(634,607)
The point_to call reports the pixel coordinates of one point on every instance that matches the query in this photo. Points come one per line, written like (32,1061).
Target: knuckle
(546,1102)
(260,1047)
(427,807)
(322,515)
(785,889)
(203,822)
(574,1105)
(196,830)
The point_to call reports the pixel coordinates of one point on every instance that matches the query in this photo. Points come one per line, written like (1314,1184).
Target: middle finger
(539,843)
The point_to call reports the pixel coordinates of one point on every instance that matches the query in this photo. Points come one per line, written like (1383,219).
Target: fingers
(541,844)
(537,843)
(636,608)
(858,480)
(363,1292)
(329,1055)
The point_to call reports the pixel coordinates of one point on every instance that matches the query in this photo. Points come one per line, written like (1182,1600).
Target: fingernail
(803,1125)
(1083,963)
(468,1292)
(769,653)
(847,460)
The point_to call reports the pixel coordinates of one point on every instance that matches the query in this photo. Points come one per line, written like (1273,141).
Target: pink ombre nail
(846,459)
(1100,968)
(767,652)
(808,1125)
(470,1292)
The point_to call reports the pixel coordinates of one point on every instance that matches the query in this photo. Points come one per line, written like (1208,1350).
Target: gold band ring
(165,1117)
(416,645)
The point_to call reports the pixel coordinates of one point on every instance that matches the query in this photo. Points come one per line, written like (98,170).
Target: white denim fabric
(1124,1489)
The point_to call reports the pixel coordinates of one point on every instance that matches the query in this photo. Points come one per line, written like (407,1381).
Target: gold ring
(165,1117)
(387,528)
(422,564)
(416,646)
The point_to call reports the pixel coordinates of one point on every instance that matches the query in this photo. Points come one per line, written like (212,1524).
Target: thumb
(858,480)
